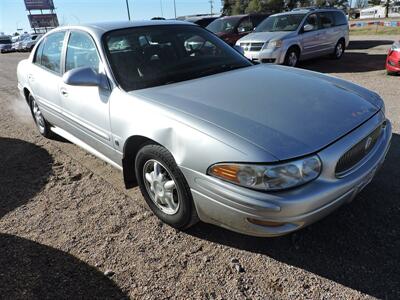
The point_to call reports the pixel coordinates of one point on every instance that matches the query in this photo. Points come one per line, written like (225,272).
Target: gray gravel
(68,229)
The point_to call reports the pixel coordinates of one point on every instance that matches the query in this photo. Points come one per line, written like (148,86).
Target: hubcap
(292,59)
(37,114)
(161,187)
(339,50)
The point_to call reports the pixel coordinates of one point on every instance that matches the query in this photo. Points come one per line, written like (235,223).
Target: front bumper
(231,206)
(276,56)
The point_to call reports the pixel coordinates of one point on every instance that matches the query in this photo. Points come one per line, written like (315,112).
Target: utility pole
(211,6)
(175,8)
(127,8)
(162,10)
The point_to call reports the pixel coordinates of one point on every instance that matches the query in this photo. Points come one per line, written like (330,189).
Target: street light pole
(175,8)
(127,8)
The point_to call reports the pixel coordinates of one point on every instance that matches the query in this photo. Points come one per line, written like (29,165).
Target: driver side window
(313,21)
(81,52)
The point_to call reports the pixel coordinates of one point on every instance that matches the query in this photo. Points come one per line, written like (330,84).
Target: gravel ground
(68,229)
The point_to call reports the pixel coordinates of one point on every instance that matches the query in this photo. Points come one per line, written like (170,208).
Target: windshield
(225,25)
(289,22)
(143,57)
(5,41)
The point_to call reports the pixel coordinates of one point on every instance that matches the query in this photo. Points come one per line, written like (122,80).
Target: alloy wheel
(292,59)
(37,114)
(161,187)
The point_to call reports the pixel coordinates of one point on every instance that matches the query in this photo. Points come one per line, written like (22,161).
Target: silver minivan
(301,34)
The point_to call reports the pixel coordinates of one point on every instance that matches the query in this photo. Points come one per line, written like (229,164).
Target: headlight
(274,44)
(269,177)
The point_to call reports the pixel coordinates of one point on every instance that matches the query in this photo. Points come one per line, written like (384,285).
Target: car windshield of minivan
(223,25)
(143,57)
(288,22)
(5,41)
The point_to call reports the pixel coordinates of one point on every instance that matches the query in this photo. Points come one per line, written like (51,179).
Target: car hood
(288,112)
(264,36)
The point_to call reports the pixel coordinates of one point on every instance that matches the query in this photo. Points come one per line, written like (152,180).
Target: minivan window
(81,52)
(289,22)
(340,18)
(326,19)
(312,20)
(5,41)
(51,56)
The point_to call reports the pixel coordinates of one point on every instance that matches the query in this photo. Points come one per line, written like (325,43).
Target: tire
(339,50)
(178,210)
(42,125)
(292,57)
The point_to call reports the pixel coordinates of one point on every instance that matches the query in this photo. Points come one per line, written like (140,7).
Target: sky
(13,13)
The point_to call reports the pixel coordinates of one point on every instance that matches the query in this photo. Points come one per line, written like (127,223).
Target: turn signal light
(227,172)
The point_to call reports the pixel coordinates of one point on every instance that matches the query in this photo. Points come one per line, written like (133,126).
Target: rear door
(86,108)
(328,31)
(45,76)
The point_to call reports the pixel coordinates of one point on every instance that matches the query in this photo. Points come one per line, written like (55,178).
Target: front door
(86,108)
(310,39)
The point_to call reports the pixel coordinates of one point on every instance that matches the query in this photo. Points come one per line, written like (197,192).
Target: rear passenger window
(326,19)
(340,18)
(38,54)
(51,55)
(81,52)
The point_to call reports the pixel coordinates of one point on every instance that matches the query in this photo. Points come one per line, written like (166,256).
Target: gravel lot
(68,229)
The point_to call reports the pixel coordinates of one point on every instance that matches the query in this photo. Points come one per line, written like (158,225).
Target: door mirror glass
(308,27)
(82,77)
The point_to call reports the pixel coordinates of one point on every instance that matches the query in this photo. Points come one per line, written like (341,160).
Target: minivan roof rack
(313,8)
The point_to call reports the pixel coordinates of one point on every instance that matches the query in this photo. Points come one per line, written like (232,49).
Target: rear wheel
(41,123)
(164,187)
(292,57)
(339,50)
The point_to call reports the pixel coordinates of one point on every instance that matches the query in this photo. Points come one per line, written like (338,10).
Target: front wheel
(292,57)
(164,187)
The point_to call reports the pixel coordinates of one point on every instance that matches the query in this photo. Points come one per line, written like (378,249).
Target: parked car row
(22,43)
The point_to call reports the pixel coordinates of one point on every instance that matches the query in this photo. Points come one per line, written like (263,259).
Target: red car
(393,59)
(232,28)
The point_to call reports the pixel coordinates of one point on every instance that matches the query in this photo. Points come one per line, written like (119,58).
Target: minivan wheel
(292,57)
(339,50)
(41,123)
(164,187)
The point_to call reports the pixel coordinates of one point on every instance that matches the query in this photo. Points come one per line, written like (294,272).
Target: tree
(254,6)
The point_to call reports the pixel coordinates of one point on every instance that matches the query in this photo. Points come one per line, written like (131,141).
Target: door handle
(64,92)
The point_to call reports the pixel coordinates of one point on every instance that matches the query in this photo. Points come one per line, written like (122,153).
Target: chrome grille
(352,157)
(252,46)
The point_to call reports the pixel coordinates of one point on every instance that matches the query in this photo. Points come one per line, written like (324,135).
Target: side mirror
(239,49)
(308,27)
(85,77)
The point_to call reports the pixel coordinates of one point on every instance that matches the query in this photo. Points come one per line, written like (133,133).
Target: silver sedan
(206,135)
